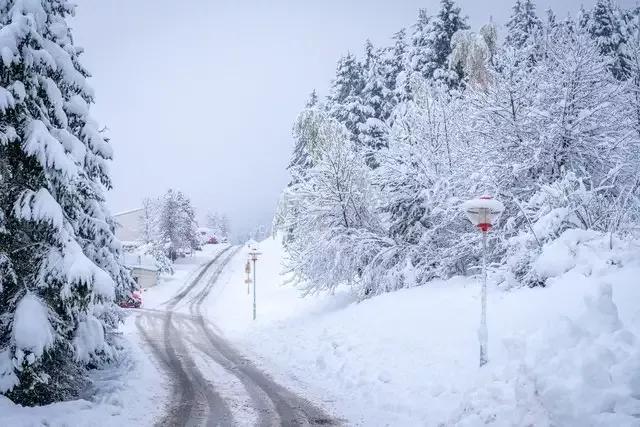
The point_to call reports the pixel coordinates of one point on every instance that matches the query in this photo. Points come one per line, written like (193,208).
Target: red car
(134,301)
(212,241)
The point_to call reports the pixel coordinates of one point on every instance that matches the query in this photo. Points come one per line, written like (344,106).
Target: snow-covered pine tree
(313,100)
(420,53)
(551,20)
(373,131)
(345,101)
(606,25)
(60,257)
(189,225)
(523,24)
(396,69)
(442,27)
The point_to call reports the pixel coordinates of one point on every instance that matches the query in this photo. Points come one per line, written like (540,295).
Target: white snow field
(564,355)
(132,394)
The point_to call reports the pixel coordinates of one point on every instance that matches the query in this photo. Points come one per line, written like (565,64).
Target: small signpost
(247,269)
(253,256)
(483,212)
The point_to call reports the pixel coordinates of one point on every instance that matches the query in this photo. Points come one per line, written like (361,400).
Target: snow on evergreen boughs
(607,26)
(523,24)
(345,101)
(60,258)
(443,27)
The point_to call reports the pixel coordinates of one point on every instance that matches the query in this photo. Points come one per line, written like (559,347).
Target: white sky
(201,95)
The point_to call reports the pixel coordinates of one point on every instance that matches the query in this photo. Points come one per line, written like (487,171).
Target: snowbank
(132,393)
(567,354)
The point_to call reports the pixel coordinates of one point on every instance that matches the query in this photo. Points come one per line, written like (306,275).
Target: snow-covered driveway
(212,383)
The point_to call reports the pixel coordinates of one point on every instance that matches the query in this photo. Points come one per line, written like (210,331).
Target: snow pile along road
(567,354)
(135,392)
(132,393)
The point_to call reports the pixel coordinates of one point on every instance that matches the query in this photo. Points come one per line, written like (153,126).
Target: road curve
(174,337)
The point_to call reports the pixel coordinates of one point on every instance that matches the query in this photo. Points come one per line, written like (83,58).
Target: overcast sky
(200,95)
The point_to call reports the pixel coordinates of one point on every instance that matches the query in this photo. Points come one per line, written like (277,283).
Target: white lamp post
(253,254)
(483,212)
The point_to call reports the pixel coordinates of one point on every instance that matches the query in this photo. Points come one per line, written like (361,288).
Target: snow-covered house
(143,269)
(205,234)
(129,226)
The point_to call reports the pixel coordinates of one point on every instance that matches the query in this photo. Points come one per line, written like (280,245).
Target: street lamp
(253,256)
(483,212)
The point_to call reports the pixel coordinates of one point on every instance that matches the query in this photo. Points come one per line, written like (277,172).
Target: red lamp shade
(483,212)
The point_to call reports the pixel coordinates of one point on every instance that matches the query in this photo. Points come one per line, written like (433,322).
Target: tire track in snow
(187,345)
(195,402)
(276,405)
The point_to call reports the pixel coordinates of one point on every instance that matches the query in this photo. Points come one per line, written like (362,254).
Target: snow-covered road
(212,383)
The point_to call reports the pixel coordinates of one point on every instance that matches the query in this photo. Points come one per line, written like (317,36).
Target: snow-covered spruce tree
(373,132)
(442,27)
(345,100)
(523,24)
(607,26)
(420,52)
(60,259)
(190,225)
(395,69)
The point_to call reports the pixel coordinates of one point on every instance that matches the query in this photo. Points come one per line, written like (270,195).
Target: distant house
(130,225)
(130,231)
(143,269)
(206,235)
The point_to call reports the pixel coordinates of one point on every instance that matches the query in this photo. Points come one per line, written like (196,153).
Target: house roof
(127,212)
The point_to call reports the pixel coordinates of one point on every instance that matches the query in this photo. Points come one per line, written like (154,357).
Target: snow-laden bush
(560,215)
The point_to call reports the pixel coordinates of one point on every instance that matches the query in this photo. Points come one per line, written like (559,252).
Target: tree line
(545,116)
